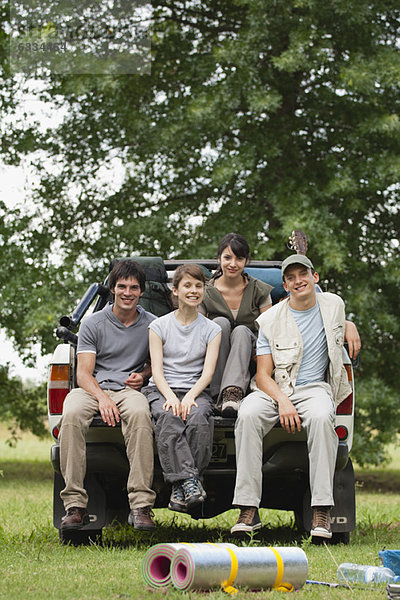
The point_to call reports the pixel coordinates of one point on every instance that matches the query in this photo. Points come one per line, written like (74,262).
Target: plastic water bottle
(352,572)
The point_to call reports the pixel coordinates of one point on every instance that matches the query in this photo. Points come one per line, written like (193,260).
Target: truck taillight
(349,372)
(346,407)
(58,387)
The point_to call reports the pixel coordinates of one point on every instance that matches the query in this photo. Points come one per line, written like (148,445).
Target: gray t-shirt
(119,350)
(315,349)
(184,348)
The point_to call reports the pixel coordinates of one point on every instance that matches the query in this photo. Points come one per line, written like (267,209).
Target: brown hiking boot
(231,397)
(321,525)
(76,518)
(248,521)
(141,518)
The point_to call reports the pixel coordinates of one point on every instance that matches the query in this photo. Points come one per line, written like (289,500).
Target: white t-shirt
(184,348)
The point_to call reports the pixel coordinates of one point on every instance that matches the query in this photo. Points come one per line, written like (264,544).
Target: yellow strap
(230,589)
(285,587)
(227,585)
(279,585)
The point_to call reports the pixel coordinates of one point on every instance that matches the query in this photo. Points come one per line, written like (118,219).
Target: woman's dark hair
(238,245)
(193,270)
(124,269)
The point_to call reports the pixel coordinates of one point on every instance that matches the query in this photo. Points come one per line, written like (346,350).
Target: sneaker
(141,518)
(75,518)
(248,521)
(231,397)
(321,525)
(202,490)
(177,499)
(194,492)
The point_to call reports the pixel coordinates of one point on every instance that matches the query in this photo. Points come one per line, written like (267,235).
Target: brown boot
(321,525)
(141,518)
(248,522)
(231,397)
(76,518)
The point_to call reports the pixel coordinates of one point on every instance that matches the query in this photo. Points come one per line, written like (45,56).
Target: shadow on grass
(124,537)
(28,471)
(175,528)
(199,531)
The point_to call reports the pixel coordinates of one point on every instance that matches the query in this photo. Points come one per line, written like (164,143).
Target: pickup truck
(285,466)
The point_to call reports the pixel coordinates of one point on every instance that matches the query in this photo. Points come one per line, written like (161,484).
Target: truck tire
(340,537)
(80,537)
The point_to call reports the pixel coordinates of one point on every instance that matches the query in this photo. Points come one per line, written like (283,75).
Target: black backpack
(157,297)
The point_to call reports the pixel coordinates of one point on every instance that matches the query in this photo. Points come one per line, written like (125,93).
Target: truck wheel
(80,538)
(340,537)
(298,520)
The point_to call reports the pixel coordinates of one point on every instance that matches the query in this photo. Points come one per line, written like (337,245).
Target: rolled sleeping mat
(156,563)
(203,568)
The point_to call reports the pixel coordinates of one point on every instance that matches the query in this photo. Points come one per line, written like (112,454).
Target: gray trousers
(235,352)
(184,447)
(257,415)
(78,411)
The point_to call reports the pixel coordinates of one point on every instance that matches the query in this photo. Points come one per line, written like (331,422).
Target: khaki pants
(79,409)
(258,414)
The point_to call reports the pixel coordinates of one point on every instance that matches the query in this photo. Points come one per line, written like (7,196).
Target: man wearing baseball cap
(300,341)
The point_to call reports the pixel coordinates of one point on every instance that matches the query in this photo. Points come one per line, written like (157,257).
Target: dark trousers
(184,447)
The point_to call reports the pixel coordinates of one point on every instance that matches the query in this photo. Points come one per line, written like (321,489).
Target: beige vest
(280,329)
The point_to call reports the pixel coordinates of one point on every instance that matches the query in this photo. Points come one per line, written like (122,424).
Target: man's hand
(108,410)
(186,406)
(352,337)
(173,404)
(289,417)
(135,381)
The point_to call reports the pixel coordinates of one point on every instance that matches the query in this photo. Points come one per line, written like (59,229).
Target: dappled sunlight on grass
(34,565)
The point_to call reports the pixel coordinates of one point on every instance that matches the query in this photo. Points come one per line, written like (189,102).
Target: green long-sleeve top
(256,295)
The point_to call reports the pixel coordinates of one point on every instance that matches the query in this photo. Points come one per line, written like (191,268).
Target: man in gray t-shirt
(113,365)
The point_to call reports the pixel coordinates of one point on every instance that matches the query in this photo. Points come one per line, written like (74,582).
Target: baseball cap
(296,259)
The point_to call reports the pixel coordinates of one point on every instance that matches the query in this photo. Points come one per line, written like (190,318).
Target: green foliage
(259,116)
(23,405)
(375,421)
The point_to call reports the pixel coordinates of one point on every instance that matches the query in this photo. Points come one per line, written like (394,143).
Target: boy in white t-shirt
(300,340)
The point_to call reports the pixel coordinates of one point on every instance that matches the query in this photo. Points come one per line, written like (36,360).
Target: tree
(21,405)
(258,116)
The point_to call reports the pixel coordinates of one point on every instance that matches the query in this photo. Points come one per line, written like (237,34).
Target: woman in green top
(234,300)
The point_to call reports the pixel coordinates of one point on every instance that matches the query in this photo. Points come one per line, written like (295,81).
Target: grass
(33,565)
